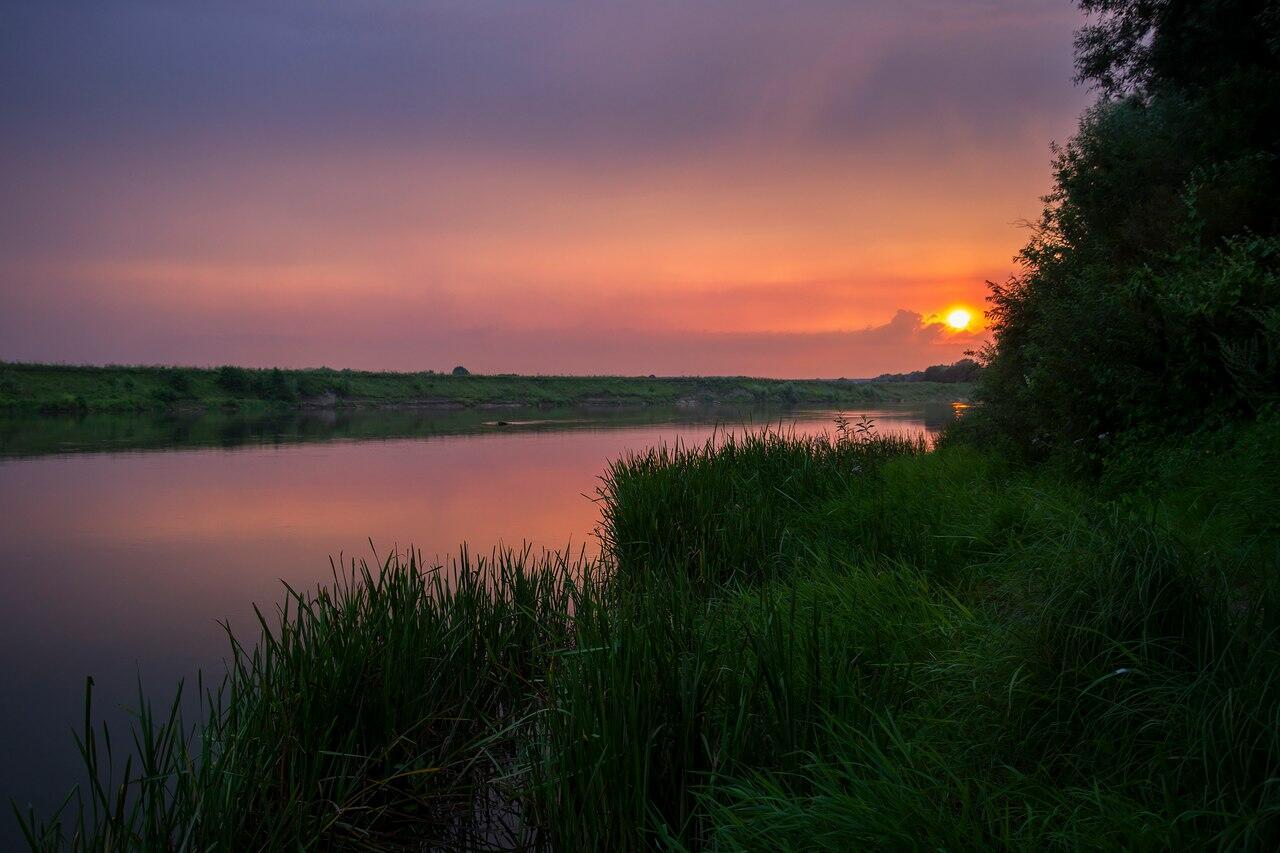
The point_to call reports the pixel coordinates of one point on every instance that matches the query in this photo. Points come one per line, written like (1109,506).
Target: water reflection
(120,564)
(37,436)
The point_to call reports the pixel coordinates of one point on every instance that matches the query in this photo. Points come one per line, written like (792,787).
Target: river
(124,541)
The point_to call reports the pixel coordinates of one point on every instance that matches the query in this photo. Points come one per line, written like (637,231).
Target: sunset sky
(584,186)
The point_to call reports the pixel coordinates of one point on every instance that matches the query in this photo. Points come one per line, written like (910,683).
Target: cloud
(731,186)
(633,76)
(906,342)
(399,335)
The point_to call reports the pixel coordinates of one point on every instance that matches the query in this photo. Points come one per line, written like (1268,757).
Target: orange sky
(596,188)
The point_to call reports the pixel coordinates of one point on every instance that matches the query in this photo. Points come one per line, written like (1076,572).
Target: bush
(178,382)
(964,370)
(234,380)
(280,387)
(1149,296)
(461,371)
(311,385)
(273,385)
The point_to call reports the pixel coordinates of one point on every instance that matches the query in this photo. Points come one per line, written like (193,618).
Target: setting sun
(959,318)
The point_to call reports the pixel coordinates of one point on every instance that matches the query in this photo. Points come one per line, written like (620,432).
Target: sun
(959,318)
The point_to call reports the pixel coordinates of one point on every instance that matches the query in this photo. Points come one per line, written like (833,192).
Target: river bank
(788,643)
(32,434)
(52,389)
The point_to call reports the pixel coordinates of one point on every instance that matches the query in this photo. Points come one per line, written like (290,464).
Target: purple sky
(787,189)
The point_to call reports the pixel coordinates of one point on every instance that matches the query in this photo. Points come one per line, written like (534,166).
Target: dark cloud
(616,73)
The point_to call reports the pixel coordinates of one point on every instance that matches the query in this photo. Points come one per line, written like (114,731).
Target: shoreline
(61,389)
(804,615)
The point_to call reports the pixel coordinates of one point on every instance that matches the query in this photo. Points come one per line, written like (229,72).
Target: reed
(384,708)
(790,643)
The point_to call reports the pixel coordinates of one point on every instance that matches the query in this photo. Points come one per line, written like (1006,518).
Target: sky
(794,189)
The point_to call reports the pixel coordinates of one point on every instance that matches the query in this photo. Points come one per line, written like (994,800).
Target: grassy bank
(64,388)
(792,644)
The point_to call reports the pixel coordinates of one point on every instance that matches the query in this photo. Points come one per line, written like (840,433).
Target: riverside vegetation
(26,435)
(75,389)
(791,643)
(1057,629)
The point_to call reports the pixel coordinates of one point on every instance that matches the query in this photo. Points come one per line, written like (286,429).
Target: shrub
(280,387)
(234,380)
(178,382)
(311,385)
(1149,296)
(273,385)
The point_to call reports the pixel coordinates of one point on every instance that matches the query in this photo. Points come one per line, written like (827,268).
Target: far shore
(65,389)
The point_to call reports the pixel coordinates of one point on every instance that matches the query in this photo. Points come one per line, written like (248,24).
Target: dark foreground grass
(383,710)
(792,644)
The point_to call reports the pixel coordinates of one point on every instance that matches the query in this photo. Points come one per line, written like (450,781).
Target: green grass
(52,388)
(385,706)
(791,644)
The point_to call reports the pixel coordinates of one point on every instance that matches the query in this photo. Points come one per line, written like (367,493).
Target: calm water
(123,541)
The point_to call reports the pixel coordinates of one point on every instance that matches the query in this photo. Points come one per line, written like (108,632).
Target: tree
(233,379)
(1147,296)
(1145,47)
(461,371)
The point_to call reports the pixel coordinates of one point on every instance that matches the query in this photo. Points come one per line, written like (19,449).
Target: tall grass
(387,707)
(731,508)
(1106,680)
(791,643)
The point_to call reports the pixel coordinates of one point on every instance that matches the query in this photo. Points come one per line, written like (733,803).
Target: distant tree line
(964,370)
(278,385)
(275,384)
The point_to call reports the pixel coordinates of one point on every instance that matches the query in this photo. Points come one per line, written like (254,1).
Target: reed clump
(789,643)
(383,709)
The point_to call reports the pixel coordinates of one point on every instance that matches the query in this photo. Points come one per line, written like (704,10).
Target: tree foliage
(964,370)
(1147,297)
